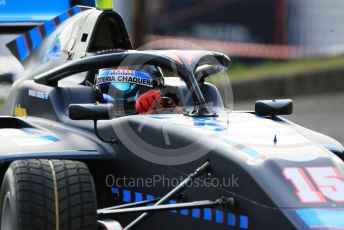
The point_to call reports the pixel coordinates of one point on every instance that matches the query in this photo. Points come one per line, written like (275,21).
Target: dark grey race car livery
(67,163)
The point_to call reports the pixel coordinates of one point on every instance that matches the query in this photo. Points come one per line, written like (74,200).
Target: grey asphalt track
(322,113)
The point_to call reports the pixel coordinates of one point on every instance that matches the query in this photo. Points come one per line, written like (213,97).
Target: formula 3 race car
(67,162)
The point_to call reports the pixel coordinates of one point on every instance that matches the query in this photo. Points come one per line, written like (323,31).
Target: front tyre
(48,195)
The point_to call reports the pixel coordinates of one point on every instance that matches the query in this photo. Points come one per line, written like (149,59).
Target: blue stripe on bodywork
(226,140)
(63,17)
(49,138)
(34,34)
(219,216)
(29,131)
(243,222)
(173,202)
(204,123)
(76,9)
(126,196)
(231,219)
(49,27)
(160,117)
(195,213)
(36,37)
(22,48)
(250,151)
(184,212)
(207,214)
(322,218)
(206,119)
(138,197)
(57,154)
(115,190)
(149,197)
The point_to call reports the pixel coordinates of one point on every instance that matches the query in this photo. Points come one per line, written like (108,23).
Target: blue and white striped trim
(206,214)
(23,46)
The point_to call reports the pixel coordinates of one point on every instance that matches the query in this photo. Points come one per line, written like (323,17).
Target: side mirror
(206,70)
(91,111)
(274,107)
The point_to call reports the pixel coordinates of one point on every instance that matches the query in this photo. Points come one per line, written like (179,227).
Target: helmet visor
(123,84)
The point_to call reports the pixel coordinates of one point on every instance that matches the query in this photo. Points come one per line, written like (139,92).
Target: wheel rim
(6,218)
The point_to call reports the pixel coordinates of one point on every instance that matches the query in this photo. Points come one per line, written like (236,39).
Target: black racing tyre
(48,195)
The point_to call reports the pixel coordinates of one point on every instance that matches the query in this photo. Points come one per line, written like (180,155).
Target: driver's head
(122,86)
